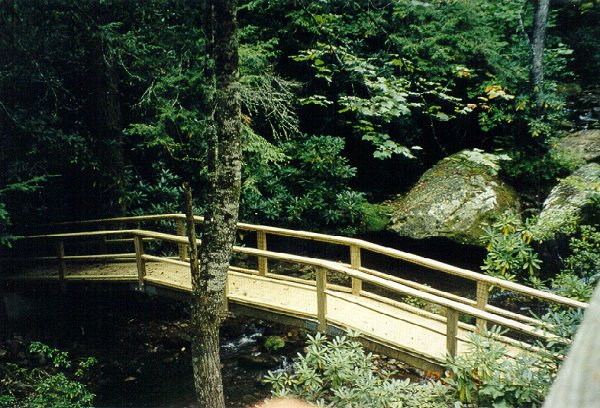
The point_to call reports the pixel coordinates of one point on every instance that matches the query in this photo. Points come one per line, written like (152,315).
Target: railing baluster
(483,290)
(62,265)
(355,263)
(451,330)
(261,243)
(182,248)
(141,263)
(322,299)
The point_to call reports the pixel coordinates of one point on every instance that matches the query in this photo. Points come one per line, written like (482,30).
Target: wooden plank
(360,303)
(165,260)
(100,256)
(168,284)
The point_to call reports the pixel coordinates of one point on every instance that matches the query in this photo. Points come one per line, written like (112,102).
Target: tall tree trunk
(537,47)
(105,121)
(222,208)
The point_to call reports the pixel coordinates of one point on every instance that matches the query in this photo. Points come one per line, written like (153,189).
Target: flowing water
(143,344)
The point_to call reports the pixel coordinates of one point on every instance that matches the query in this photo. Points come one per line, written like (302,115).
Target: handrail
(452,304)
(352,243)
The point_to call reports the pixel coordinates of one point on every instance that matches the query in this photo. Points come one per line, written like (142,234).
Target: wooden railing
(453,304)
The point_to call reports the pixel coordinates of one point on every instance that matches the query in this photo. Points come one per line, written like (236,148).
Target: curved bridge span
(411,321)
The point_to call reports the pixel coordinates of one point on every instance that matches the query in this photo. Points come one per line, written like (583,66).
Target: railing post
(322,299)
(451,330)
(182,248)
(261,243)
(483,291)
(141,263)
(355,263)
(62,265)
(104,243)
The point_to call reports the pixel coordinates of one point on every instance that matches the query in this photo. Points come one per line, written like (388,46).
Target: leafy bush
(309,189)
(339,373)
(509,251)
(584,258)
(52,388)
(581,269)
(158,195)
(486,377)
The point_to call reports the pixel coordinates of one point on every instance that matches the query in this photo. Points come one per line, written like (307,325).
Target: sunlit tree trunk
(221,216)
(537,47)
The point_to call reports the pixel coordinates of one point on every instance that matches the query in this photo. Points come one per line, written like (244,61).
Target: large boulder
(583,145)
(454,199)
(570,202)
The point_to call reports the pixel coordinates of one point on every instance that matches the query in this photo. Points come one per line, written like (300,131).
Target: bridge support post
(261,243)
(322,300)
(451,331)
(141,263)
(182,248)
(62,265)
(355,263)
(483,291)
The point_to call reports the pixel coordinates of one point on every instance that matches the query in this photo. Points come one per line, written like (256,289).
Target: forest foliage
(105,108)
(100,99)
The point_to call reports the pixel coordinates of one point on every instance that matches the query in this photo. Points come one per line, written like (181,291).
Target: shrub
(310,189)
(509,251)
(339,373)
(51,388)
(486,377)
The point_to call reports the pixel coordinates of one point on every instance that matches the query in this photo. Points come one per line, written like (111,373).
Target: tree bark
(106,127)
(221,216)
(537,47)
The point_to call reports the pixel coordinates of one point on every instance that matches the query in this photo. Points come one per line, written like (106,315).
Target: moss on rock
(454,199)
(565,206)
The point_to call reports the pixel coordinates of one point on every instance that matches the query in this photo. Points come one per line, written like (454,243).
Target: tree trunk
(106,128)
(537,47)
(222,208)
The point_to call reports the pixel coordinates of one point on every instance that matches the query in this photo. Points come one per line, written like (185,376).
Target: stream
(142,344)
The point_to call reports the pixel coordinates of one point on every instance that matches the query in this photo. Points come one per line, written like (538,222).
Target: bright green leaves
(483,376)
(338,372)
(379,98)
(510,255)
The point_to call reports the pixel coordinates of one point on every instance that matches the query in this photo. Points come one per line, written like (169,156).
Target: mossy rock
(582,146)
(455,199)
(568,203)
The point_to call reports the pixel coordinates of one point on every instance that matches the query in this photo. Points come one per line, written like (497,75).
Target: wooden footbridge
(412,321)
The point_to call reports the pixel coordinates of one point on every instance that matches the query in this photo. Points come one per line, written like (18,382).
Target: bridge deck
(418,339)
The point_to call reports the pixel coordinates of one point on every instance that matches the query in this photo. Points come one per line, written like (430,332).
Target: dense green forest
(107,108)
(103,103)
